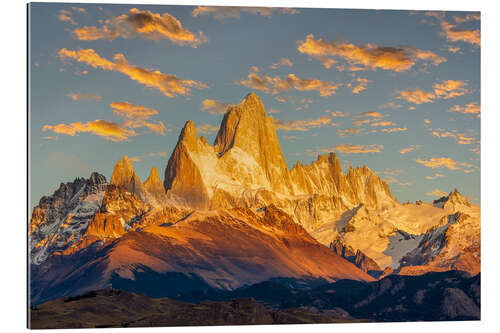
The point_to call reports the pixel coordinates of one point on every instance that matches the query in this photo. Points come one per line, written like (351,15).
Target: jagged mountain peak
(246,155)
(245,121)
(154,184)
(123,172)
(153,175)
(188,134)
(453,199)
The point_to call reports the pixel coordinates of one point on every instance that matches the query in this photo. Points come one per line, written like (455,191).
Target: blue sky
(398,91)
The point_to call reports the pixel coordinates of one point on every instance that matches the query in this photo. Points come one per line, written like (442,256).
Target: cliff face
(356,257)
(247,127)
(246,167)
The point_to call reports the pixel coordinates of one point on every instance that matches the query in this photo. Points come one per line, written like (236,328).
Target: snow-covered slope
(412,235)
(60,220)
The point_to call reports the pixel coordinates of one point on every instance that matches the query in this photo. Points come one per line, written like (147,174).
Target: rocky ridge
(60,220)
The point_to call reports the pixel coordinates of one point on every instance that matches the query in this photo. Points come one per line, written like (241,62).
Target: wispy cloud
(137,116)
(283,62)
(275,84)
(133,117)
(436,193)
(168,84)
(362,84)
(394,129)
(139,158)
(84,97)
(383,123)
(357,149)
(470,108)
(444,162)
(409,149)
(368,56)
(206,128)
(214,107)
(230,12)
(434,176)
(365,118)
(416,96)
(347,131)
(144,24)
(106,129)
(454,34)
(301,125)
(460,138)
(391,179)
(450,88)
(66,15)
(442,90)
(337,113)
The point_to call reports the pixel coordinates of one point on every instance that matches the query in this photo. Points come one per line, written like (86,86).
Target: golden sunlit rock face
(247,158)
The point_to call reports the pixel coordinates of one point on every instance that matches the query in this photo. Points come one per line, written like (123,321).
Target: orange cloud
(143,23)
(467,18)
(283,62)
(372,114)
(434,176)
(301,125)
(358,149)
(437,193)
(143,156)
(136,116)
(84,97)
(409,149)
(206,128)
(454,34)
(336,113)
(471,108)
(382,123)
(274,111)
(225,12)
(366,118)
(214,107)
(444,162)
(348,131)
(274,85)
(416,96)
(65,16)
(363,83)
(450,88)
(391,105)
(168,84)
(394,129)
(445,89)
(370,56)
(460,138)
(106,129)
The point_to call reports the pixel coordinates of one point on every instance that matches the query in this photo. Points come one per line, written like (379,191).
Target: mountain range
(232,214)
